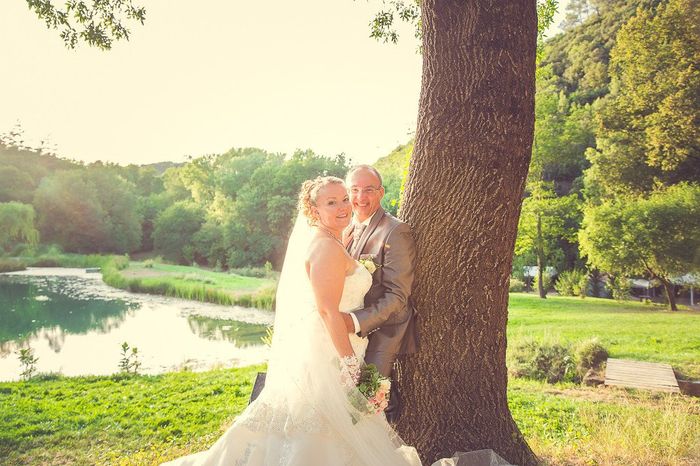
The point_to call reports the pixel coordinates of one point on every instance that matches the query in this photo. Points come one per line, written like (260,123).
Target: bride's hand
(350,368)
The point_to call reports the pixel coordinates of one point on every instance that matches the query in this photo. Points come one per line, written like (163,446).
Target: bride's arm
(326,267)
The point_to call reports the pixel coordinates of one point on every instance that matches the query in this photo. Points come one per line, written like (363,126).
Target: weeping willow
(17,224)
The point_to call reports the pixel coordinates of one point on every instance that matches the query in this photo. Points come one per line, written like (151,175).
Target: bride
(304,416)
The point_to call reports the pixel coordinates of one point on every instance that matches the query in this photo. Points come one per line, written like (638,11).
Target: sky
(202,77)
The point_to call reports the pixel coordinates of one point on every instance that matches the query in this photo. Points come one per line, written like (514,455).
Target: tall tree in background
(580,57)
(648,142)
(545,221)
(89,210)
(563,132)
(17,224)
(576,13)
(116,196)
(658,235)
(649,131)
(462,199)
(174,229)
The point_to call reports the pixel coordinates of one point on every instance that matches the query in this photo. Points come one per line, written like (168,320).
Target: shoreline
(191,283)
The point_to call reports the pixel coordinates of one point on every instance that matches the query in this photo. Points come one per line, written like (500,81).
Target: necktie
(356,235)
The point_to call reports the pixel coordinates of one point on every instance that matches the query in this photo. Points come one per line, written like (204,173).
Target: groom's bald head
(363,167)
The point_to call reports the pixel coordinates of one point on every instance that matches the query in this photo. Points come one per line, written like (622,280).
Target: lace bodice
(356,286)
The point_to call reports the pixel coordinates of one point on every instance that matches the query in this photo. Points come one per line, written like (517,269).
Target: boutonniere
(367,261)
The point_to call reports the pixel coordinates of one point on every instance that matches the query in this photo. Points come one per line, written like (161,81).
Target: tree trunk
(670,293)
(463,198)
(540,260)
(540,277)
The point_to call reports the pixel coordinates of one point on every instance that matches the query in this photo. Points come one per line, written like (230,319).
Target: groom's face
(366,193)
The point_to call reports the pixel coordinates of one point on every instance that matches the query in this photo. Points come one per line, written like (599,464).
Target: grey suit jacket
(388,316)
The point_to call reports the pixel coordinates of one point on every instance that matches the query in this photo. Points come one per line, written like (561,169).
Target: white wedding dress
(303,416)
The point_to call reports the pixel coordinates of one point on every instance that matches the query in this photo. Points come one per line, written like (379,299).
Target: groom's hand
(349,324)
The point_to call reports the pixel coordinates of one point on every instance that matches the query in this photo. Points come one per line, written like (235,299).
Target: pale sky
(202,77)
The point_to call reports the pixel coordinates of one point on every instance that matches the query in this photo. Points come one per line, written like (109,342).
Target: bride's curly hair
(309,194)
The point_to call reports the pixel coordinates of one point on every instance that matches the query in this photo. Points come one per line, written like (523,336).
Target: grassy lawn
(118,420)
(234,284)
(628,330)
(567,424)
(144,420)
(192,283)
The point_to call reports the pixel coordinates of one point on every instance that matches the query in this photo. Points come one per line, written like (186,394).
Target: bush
(53,257)
(590,354)
(22,249)
(120,262)
(11,265)
(552,362)
(46,376)
(256,272)
(46,261)
(620,288)
(572,283)
(516,285)
(149,263)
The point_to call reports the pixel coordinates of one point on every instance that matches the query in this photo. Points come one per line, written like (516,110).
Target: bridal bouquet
(375,389)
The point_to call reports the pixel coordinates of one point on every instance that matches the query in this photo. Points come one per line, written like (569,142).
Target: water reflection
(75,324)
(241,334)
(54,306)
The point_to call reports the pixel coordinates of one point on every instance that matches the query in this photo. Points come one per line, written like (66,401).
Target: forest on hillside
(225,210)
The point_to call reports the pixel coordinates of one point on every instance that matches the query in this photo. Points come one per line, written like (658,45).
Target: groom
(387,318)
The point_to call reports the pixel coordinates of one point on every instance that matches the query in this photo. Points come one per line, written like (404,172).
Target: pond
(75,325)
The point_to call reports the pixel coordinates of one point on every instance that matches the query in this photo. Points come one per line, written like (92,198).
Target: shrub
(129,362)
(552,362)
(46,376)
(516,285)
(28,362)
(11,265)
(22,249)
(120,262)
(546,281)
(572,283)
(46,261)
(590,354)
(256,272)
(620,288)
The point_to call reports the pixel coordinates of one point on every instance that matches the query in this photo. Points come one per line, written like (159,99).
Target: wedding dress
(303,416)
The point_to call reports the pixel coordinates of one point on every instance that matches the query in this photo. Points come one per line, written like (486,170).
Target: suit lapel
(368,232)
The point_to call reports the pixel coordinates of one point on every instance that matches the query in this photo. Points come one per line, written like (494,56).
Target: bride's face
(333,206)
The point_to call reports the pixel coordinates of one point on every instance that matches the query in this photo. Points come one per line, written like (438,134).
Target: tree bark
(463,199)
(670,293)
